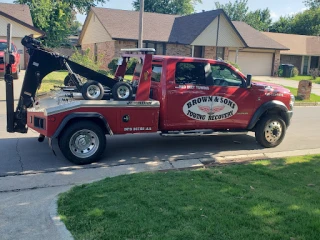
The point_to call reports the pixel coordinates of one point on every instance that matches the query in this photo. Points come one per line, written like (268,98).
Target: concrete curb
(64,233)
(302,104)
(178,166)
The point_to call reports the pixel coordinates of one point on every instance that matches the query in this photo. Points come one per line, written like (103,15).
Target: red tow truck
(169,95)
(16,65)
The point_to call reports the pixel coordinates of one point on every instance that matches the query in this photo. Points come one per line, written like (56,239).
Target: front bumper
(289,115)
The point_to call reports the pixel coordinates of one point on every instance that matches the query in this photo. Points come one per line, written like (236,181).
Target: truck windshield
(3,46)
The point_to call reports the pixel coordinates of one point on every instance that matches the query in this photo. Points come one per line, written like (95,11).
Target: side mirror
(249,80)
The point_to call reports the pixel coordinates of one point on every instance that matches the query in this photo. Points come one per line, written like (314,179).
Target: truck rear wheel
(270,131)
(92,90)
(122,91)
(82,142)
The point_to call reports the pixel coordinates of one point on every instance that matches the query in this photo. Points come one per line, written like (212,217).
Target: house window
(198,52)
(96,52)
(159,47)
(220,52)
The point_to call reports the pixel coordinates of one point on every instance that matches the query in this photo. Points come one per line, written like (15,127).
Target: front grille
(1,60)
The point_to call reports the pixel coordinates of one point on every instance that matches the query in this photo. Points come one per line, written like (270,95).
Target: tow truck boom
(42,62)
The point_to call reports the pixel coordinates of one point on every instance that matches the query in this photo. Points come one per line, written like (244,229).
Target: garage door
(20,47)
(258,64)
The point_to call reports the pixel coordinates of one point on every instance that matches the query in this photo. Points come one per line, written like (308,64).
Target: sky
(277,7)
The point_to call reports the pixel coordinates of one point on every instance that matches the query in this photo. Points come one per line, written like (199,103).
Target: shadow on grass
(277,199)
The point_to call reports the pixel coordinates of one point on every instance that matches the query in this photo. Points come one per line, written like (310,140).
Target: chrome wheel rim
(273,131)
(123,92)
(93,91)
(84,143)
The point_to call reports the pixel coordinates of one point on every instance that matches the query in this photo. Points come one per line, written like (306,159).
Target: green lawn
(51,80)
(277,199)
(299,78)
(56,79)
(313,97)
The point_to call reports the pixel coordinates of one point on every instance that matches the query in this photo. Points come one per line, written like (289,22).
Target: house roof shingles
(18,11)
(298,44)
(256,39)
(187,28)
(123,24)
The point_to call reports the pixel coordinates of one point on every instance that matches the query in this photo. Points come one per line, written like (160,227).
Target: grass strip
(278,199)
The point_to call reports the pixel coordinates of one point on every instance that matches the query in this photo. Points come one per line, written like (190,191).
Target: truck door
(207,95)
(185,83)
(233,103)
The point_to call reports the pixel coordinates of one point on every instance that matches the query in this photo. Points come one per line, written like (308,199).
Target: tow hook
(41,138)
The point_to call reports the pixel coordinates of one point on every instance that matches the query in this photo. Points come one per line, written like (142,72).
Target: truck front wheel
(270,131)
(82,142)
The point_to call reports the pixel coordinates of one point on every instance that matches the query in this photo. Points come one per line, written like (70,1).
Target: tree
(75,27)
(55,17)
(312,4)
(236,11)
(259,19)
(283,25)
(178,7)
(304,23)
(239,11)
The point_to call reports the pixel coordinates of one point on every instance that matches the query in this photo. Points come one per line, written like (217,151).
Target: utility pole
(140,42)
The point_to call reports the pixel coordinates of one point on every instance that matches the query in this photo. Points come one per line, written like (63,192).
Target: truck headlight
(292,100)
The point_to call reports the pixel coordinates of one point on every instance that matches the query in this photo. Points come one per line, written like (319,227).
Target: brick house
(20,18)
(304,50)
(208,34)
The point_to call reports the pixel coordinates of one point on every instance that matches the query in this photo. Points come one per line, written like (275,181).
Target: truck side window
(221,75)
(156,73)
(190,73)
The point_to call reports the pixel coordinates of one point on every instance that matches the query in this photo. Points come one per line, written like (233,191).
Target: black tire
(16,74)
(67,81)
(270,131)
(122,91)
(92,90)
(82,142)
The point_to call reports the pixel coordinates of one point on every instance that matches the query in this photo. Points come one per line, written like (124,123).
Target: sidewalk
(286,82)
(28,202)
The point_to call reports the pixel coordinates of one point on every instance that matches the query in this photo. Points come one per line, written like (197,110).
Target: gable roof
(187,28)
(123,24)
(19,13)
(298,44)
(255,38)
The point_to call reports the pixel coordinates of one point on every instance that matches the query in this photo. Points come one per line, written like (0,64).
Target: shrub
(280,72)
(314,72)
(234,64)
(131,65)
(104,72)
(113,65)
(85,59)
(295,72)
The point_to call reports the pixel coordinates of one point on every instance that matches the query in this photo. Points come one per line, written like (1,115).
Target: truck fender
(89,115)
(272,105)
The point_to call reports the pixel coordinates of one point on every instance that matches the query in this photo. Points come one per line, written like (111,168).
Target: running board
(200,133)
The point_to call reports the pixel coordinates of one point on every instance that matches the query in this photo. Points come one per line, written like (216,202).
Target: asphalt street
(23,154)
